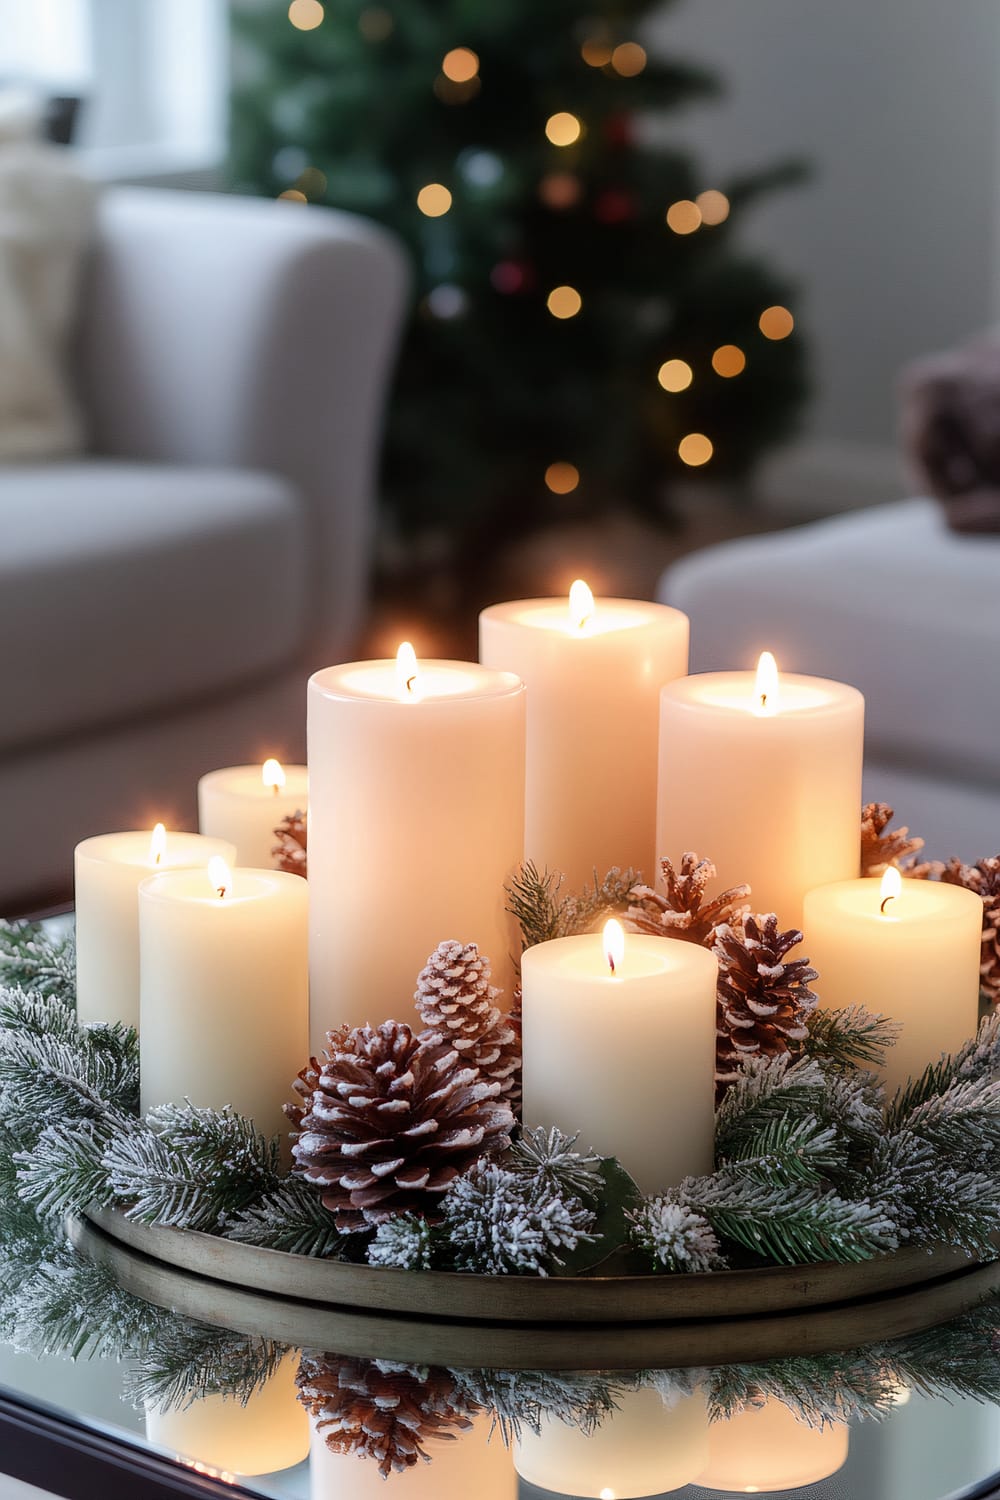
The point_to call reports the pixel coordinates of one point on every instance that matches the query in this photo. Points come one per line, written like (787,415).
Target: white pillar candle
(221,1435)
(767,1448)
(621,1048)
(107,872)
(223,990)
(476,1464)
(763,781)
(593,677)
(245,804)
(416,819)
(913,957)
(647,1447)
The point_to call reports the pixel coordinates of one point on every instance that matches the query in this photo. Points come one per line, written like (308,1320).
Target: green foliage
(190,1360)
(534,899)
(289,1217)
(32,959)
(850,1037)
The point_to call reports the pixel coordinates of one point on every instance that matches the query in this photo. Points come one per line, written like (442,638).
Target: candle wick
(885,903)
(409,683)
(274,788)
(156,861)
(763,700)
(221,889)
(611,963)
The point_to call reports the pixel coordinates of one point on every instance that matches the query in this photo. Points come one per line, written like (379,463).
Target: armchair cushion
(145,586)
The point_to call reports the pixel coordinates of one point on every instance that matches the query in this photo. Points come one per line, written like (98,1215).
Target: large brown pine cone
(983,878)
(882,846)
(456,1001)
(392,1121)
(291,850)
(681,910)
(763,999)
(380,1412)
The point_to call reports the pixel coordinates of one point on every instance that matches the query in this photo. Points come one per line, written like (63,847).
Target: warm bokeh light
(766,684)
(891,888)
(564,302)
(434,200)
(560,189)
(460,64)
(713,206)
(729,360)
(629,59)
(157,844)
(292,195)
(305,15)
(675,375)
(407,672)
(312,182)
(273,773)
(595,53)
(375,23)
(695,449)
(776,322)
(563,129)
(220,876)
(562,478)
(614,944)
(580,603)
(684,216)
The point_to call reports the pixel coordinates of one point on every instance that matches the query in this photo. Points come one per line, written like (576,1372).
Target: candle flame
(607,1495)
(581,604)
(614,944)
(407,673)
(766,689)
(157,844)
(220,876)
(892,886)
(273,774)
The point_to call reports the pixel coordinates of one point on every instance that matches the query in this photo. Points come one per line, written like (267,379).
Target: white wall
(895,241)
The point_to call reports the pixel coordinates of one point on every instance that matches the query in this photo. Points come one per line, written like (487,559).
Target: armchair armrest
(239,332)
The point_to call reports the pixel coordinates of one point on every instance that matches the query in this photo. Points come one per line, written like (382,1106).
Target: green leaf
(611,1228)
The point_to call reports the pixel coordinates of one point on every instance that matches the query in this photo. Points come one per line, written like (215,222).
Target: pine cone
(382,1412)
(762,1000)
(983,878)
(393,1119)
(882,846)
(455,1001)
(290,852)
(679,913)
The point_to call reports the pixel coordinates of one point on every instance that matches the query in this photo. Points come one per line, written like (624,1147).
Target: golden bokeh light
(563,129)
(312,182)
(375,23)
(305,15)
(684,216)
(714,206)
(776,322)
(695,449)
(434,200)
(596,53)
(564,302)
(560,189)
(675,375)
(629,59)
(292,195)
(562,479)
(729,360)
(460,64)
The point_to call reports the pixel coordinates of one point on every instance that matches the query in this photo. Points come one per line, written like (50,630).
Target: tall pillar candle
(620,1048)
(476,1464)
(224,990)
(416,819)
(593,672)
(108,870)
(764,781)
(245,804)
(913,957)
(766,1448)
(646,1447)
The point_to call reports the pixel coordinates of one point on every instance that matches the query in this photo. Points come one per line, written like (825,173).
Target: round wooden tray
(532,1323)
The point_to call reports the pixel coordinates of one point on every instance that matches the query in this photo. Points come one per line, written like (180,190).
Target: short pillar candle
(620,1049)
(908,949)
(245,804)
(593,669)
(763,777)
(416,822)
(108,870)
(224,1009)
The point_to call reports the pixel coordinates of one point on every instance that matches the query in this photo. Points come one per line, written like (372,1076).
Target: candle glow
(892,887)
(157,844)
(581,604)
(273,774)
(220,877)
(614,944)
(766,686)
(407,673)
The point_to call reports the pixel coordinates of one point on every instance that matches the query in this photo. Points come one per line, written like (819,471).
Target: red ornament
(618,130)
(614,206)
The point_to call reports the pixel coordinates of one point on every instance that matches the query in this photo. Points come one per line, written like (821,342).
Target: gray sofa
(163,599)
(895,603)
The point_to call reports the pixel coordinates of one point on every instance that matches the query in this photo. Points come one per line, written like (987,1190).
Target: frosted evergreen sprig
(519,1399)
(977,1061)
(549,1156)
(406,1242)
(850,1037)
(500,1221)
(542,913)
(674,1237)
(35,960)
(289,1217)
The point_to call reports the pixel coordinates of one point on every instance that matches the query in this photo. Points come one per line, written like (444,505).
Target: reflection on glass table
(894,1421)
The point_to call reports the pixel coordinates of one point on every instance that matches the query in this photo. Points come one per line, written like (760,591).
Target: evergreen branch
(818,1389)
(597,901)
(521,1399)
(850,1037)
(978,1060)
(31,959)
(768,1089)
(64,1171)
(68,1306)
(38,1015)
(42,1076)
(965,1117)
(291,1217)
(532,901)
(190,1360)
(787,1150)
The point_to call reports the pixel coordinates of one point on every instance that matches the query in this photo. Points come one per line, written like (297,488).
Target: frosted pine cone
(290,851)
(393,1119)
(882,846)
(983,878)
(456,1002)
(763,999)
(382,1412)
(679,912)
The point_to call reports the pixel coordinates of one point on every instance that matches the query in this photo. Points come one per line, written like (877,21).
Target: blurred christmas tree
(584,328)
